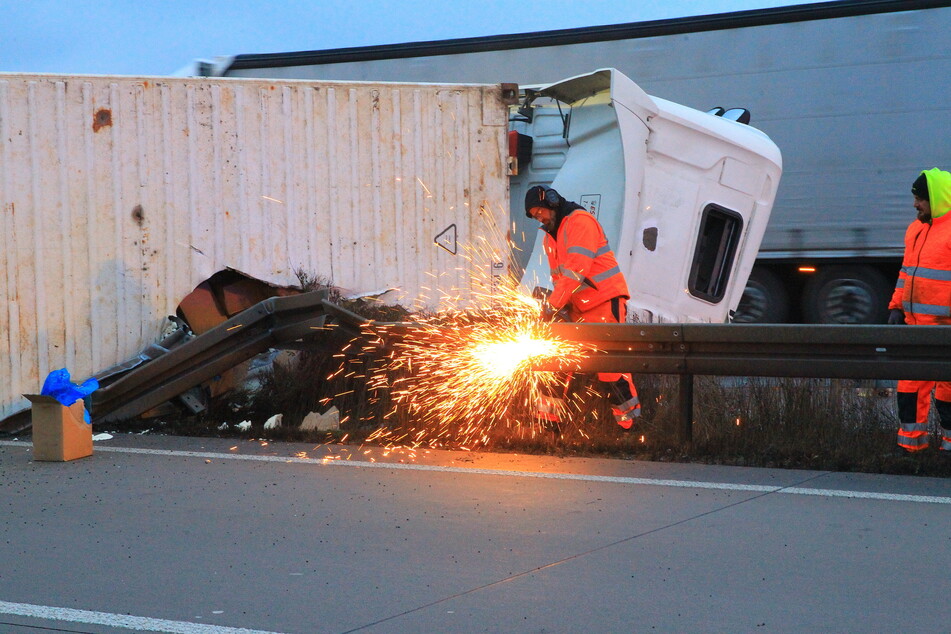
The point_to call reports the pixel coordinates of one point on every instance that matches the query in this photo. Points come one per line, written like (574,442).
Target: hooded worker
(923,297)
(587,281)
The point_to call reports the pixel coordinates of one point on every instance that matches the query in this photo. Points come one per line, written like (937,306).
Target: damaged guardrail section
(310,320)
(271,323)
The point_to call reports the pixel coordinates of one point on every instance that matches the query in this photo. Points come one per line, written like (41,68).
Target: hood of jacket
(939,191)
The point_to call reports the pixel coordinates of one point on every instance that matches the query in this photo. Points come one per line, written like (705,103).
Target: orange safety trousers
(914,405)
(624,401)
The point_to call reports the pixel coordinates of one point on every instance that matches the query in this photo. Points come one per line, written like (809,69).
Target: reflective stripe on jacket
(923,290)
(584,270)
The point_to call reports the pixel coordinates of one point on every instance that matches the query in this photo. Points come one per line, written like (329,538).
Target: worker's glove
(896,317)
(550,313)
(541,293)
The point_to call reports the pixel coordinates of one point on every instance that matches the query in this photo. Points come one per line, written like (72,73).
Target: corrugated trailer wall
(119,195)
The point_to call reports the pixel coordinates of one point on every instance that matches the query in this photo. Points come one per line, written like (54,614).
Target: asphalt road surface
(171,534)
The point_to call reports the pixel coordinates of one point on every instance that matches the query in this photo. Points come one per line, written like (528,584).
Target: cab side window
(720,231)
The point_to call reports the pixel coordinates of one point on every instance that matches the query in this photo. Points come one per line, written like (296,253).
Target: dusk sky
(160,37)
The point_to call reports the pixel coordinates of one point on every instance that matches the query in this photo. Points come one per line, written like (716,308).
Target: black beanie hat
(541,196)
(535,197)
(920,187)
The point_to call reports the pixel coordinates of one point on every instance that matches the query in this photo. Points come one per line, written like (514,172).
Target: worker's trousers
(624,402)
(914,404)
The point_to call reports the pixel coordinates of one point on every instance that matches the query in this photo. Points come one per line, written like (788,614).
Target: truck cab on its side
(684,196)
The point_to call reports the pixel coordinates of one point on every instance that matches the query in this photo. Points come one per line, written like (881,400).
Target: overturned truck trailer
(829,82)
(120,195)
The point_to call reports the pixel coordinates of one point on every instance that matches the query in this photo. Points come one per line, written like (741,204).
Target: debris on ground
(328,421)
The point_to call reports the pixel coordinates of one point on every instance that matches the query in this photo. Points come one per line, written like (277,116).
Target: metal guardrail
(769,350)
(773,350)
(779,350)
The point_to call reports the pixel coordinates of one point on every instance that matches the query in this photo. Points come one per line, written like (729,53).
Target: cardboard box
(59,432)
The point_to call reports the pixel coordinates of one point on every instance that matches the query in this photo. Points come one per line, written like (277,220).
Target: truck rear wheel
(764,301)
(847,295)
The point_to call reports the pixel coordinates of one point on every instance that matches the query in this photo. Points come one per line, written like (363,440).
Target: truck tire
(764,301)
(847,295)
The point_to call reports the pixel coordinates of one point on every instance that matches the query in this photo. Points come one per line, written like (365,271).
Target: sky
(162,37)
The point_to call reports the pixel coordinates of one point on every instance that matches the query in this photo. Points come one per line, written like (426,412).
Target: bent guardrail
(773,350)
(272,323)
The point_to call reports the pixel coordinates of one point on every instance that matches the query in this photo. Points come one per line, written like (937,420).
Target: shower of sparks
(452,377)
(459,374)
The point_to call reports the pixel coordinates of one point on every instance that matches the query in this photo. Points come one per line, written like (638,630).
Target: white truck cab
(684,196)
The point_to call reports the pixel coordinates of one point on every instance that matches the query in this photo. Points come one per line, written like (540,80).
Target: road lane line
(868,495)
(684,484)
(141,623)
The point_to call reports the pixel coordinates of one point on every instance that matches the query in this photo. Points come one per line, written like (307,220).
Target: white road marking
(684,484)
(140,623)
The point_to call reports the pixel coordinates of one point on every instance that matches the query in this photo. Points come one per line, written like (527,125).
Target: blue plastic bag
(58,385)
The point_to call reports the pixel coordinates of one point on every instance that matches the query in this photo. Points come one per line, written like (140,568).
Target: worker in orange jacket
(923,297)
(588,285)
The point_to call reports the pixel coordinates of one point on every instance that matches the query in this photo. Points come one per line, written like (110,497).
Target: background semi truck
(120,195)
(849,90)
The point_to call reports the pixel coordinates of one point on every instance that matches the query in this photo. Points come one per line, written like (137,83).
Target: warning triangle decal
(447,239)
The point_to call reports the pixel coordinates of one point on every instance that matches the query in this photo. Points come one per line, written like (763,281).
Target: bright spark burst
(461,374)
(499,360)
(465,368)
(456,375)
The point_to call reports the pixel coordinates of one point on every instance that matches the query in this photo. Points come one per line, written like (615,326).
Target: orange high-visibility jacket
(923,290)
(583,268)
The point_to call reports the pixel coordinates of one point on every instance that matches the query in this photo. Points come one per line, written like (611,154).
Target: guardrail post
(685,398)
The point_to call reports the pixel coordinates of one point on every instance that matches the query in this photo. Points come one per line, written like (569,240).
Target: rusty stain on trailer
(101,119)
(138,214)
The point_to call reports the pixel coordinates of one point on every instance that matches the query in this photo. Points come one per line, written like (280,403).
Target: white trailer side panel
(119,195)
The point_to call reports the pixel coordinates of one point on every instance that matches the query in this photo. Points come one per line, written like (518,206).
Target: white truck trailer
(847,89)
(120,195)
